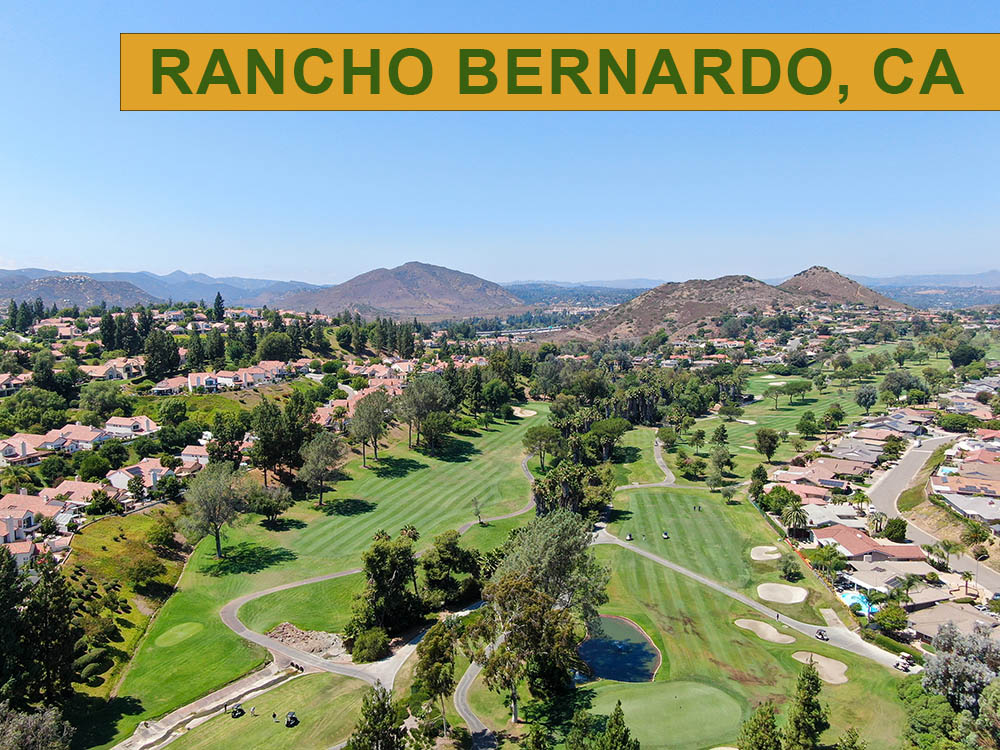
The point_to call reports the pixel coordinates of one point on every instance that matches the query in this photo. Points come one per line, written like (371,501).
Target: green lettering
(949,77)
(714,71)
(225,75)
(625,78)
(570,71)
(826,71)
(275,79)
(880,62)
(298,70)
(749,87)
(172,71)
(514,71)
(351,70)
(466,70)
(664,60)
(426,71)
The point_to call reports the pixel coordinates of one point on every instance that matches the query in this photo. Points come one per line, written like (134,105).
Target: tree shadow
(156,590)
(557,712)
(283,524)
(347,506)
(625,454)
(454,450)
(96,719)
(394,467)
(616,514)
(247,557)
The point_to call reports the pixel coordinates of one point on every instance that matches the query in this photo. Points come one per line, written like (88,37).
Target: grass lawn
(633,461)
(712,674)
(100,550)
(326,705)
(432,493)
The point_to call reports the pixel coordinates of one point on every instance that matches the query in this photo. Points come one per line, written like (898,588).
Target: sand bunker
(781,593)
(521,412)
(830,670)
(769,377)
(746,421)
(765,552)
(764,631)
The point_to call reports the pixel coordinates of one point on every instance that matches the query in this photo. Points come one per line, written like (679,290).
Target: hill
(182,287)
(72,289)
(823,285)
(680,307)
(412,290)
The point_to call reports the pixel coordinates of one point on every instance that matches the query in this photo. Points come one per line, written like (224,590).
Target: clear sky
(322,197)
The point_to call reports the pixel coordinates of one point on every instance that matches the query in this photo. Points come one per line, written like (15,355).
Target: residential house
(23,449)
(149,469)
(855,544)
(195,453)
(131,427)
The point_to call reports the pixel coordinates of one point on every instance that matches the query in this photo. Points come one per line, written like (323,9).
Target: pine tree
(109,332)
(195,351)
(850,740)
(807,718)
(760,731)
(219,308)
(162,356)
(378,726)
(538,738)
(11,600)
(215,348)
(720,436)
(12,314)
(436,667)
(47,615)
(616,734)
(250,336)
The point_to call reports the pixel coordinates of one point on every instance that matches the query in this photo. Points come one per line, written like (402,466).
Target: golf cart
(237,711)
(666,535)
(291,719)
(821,635)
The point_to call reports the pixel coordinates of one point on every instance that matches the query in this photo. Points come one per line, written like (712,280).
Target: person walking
(274,717)
(253,710)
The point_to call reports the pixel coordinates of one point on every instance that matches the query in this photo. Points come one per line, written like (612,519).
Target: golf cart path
(669,479)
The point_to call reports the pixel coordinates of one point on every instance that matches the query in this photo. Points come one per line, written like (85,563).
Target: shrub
(895,530)
(91,657)
(90,670)
(371,645)
(979,552)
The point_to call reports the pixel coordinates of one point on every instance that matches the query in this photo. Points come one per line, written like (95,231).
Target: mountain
(72,289)
(542,293)
(985,280)
(821,284)
(682,306)
(411,290)
(184,287)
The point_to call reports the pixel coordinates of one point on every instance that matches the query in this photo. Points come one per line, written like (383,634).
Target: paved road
(885,493)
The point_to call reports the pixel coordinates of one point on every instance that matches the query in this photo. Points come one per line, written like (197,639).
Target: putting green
(178,633)
(678,714)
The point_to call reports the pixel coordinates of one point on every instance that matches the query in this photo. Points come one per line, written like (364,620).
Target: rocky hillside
(73,289)
(823,285)
(411,290)
(683,306)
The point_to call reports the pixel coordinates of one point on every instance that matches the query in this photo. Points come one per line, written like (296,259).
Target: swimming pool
(856,597)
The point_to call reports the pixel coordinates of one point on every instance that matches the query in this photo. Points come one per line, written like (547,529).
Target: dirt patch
(328,645)
(522,412)
(781,593)
(765,552)
(830,670)
(764,631)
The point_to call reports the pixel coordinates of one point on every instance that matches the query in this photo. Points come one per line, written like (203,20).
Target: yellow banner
(560,72)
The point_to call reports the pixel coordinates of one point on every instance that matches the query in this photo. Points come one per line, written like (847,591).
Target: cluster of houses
(263,373)
(965,398)
(969,479)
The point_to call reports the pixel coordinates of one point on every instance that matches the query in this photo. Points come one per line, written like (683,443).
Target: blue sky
(322,197)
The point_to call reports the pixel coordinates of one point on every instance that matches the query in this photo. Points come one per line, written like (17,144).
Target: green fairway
(326,705)
(432,493)
(715,540)
(633,462)
(713,673)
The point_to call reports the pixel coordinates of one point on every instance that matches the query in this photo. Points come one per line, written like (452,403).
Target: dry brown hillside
(411,290)
(683,306)
(822,284)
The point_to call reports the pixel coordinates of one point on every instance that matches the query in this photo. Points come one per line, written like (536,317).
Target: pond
(622,652)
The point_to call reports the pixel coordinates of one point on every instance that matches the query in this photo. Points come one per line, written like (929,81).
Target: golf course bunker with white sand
(781,593)
(830,670)
(765,552)
(764,631)
(520,411)
(622,652)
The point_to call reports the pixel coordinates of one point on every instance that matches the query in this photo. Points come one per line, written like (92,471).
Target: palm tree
(794,516)
(876,522)
(966,576)
(949,548)
(859,499)
(410,532)
(933,551)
